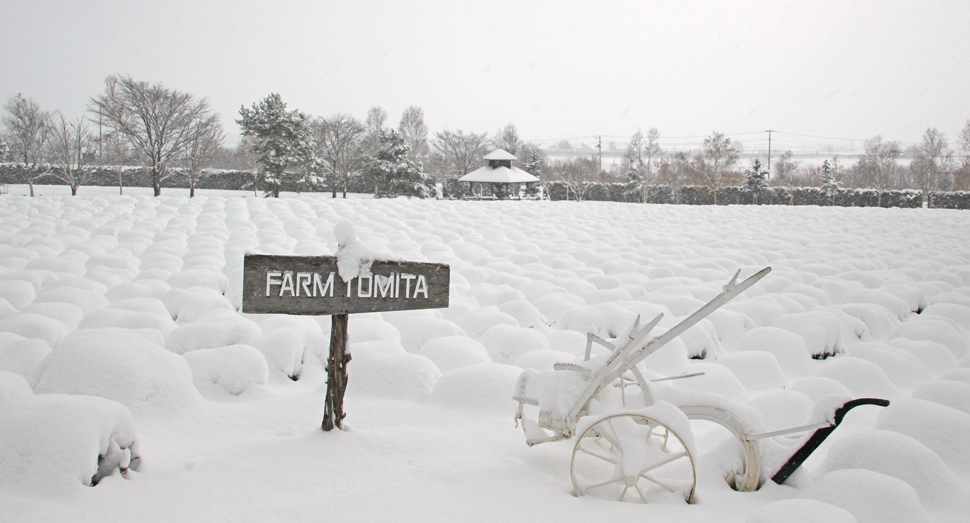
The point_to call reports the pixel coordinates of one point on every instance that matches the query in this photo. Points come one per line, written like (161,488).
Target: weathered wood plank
(311,285)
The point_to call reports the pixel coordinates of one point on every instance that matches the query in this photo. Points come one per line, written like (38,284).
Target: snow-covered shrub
(112,317)
(37,326)
(417,329)
(869,496)
(487,387)
(116,364)
(506,343)
(186,305)
(19,354)
(929,329)
(939,427)
(215,328)
(454,352)
(13,386)
(821,330)
(904,458)
(56,441)
(227,370)
(386,370)
(800,511)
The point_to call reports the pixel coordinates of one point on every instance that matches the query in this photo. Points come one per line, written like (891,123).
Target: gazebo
(501,173)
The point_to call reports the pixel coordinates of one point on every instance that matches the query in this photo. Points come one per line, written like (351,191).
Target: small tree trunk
(73,189)
(333,413)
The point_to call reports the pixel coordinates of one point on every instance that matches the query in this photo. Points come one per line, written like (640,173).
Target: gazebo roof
(500,154)
(498,175)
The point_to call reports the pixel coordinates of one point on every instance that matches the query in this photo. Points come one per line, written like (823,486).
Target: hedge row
(11,173)
(702,195)
(950,200)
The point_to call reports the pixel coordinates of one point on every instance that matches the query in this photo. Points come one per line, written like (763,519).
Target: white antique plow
(647,451)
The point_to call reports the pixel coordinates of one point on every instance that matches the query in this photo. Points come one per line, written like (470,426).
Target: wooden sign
(312,285)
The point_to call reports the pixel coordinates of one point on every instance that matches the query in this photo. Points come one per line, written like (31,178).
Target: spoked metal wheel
(632,457)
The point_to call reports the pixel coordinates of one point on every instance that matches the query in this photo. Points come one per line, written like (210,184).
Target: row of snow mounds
(858,304)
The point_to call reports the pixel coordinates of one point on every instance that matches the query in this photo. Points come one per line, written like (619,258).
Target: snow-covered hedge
(742,195)
(950,200)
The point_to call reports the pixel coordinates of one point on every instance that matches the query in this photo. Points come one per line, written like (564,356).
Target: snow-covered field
(120,335)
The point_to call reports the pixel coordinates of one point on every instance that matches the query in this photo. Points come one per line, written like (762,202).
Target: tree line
(168,131)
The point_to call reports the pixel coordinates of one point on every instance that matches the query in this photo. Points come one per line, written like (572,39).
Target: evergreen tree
(757,179)
(393,173)
(533,166)
(829,183)
(283,144)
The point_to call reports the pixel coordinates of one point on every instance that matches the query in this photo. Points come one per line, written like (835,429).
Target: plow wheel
(632,457)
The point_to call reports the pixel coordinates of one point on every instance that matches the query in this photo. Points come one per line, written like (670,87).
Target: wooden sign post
(311,285)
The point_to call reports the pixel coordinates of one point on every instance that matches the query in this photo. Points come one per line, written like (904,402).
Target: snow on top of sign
(354,257)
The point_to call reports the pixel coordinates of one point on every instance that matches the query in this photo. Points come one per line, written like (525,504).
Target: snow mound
(506,343)
(863,378)
(386,370)
(454,352)
(362,328)
(787,347)
(784,409)
(953,394)
(940,331)
(756,370)
(478,321)
(869,496)
(19,293)
(878,320)
(111,317)
(88,300)
(416,330)
(800,511)
(487,387)
(227,370)
(209,278)
(56,442)
(903,458)
(186,305)
(821,330)
(30,325)
(543,359)
(118,365)
(902,367)
(283,349)
(941,428)
(216,328)
(13,386)
(20,355)
(935,356)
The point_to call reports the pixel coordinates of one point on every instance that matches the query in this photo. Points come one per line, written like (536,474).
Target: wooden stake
(333,413)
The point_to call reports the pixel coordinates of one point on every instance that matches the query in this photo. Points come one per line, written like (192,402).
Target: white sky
(556,69)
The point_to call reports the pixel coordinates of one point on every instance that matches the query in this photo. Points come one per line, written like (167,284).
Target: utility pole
(599,147)
(769,131)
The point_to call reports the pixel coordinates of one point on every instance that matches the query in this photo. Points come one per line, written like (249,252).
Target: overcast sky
(557,69)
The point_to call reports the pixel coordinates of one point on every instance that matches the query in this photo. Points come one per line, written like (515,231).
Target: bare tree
(462,152)
(879,167)
(507,139)
(785,169)
(961,176)
(155,120)
(639,159)
(376,117)
(27,132)
(932,161)
(414,132)
(203,147)
(577,175)
(341,145)
(67,148)
(718,156)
